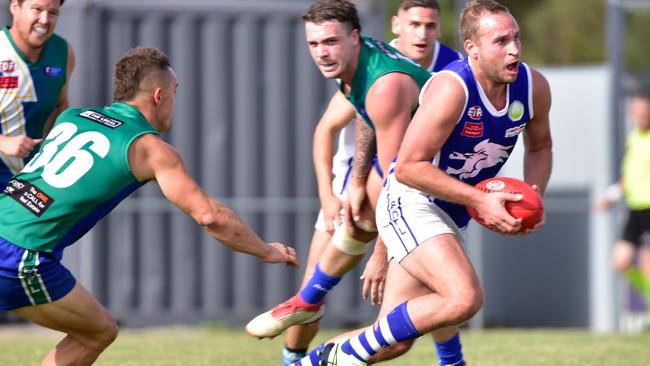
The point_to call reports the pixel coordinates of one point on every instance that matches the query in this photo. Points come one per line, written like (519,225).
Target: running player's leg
(427,245)
(88,326)
(399,287)
(624,251)
(338,259)
(439,263)
(36,286)
(300,336)
(343,252)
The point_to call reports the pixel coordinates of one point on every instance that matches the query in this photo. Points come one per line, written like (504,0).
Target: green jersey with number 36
(80,173)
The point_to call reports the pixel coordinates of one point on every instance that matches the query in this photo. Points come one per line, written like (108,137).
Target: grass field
(218,346)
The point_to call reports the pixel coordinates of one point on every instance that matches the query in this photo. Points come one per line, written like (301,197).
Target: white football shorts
(407,218)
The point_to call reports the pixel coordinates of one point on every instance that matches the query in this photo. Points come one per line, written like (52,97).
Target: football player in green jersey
(48,206)
(34,72)
(417,25)
(383,86)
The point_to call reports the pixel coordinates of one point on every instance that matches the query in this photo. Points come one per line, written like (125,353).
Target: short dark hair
(135,66)
(408,4)
(342,11)
(469,17)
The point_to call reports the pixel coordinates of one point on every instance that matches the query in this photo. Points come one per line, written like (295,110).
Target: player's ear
(470,48)
(357,36)
(394,22)
(157,96)
(13,7)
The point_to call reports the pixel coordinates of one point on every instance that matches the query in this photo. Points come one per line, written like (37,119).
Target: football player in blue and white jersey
(418,27)
(469,119)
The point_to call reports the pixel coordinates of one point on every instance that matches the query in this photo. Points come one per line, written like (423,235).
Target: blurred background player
(418,28)
(475,109)
(35,65)
(48,206)
(634,186)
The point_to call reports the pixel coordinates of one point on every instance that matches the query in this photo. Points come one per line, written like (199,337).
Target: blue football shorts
(29,277)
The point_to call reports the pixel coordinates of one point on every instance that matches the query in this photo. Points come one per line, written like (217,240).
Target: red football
(530,208)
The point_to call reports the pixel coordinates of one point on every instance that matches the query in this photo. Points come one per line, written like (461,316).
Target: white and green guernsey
(29,92)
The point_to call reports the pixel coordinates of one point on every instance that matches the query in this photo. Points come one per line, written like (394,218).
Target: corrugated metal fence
(248,101)
(247,105)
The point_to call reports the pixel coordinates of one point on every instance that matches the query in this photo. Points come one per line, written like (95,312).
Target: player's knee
(466,304)
(104,333)
(343,241)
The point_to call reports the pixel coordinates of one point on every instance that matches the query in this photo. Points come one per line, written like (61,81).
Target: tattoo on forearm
(365,149)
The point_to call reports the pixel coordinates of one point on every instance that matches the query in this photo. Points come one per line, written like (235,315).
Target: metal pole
(603,301)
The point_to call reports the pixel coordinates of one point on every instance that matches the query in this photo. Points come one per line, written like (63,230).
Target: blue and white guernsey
(483,137)
(442,55)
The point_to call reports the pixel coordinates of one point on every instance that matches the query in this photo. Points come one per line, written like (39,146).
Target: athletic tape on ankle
(347,244)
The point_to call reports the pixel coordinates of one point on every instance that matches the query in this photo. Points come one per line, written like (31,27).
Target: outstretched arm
(151,158)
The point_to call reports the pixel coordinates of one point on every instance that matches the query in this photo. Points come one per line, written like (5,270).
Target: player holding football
(470,116)
(417,25)
(383,85)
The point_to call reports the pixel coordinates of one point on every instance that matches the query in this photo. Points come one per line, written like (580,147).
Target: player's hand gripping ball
(530,209)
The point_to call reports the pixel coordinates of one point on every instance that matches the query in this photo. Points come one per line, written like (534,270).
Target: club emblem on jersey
(475,112)
(516,111)
(7,67)
(53,71)
(472,129)
(486,154)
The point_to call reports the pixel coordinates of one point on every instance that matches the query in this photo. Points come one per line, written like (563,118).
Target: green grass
(219,346)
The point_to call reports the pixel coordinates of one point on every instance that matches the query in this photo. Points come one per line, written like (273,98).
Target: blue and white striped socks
(391,329)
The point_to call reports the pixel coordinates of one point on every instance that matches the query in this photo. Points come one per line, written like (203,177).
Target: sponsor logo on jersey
(101,119)
(486,155)
(7,66)
(8,82)
(472,129)
(28,196)
(511,132)
(516,111)
(475,112)
(53,71)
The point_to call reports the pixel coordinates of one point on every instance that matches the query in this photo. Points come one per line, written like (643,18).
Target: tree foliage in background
(560,32)
(637,51)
